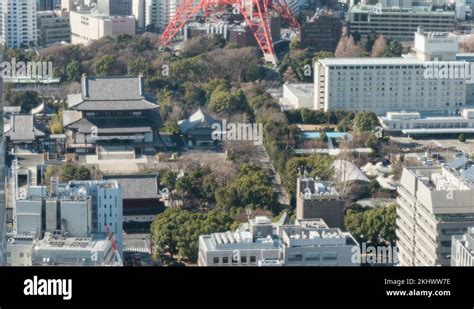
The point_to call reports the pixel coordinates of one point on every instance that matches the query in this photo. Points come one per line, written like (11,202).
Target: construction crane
(114,246)
(256,14)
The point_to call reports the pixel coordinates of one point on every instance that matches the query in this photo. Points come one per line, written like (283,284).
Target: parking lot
(448,144)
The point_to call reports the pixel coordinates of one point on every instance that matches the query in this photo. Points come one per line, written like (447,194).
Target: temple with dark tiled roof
(113,114)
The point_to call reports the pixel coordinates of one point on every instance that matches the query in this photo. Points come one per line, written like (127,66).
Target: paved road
(283,196)
(137,241)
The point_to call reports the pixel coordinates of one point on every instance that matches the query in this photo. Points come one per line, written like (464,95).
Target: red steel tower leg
(282,8)
(186,10)
(260,28)
(257,18)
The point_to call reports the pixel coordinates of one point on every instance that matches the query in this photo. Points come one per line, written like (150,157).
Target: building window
(215,260)
(295,257)
(446,243)
(312,257)
(225,260)
(243,259)
(21,254)
(253,259)
(332,256)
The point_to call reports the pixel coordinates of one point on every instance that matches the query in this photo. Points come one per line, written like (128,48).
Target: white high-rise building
(381,85)
(138,10)
(435,203)
(88,25)
(107,206)
(462,249)
(79,208)
(159,12)
(18,23)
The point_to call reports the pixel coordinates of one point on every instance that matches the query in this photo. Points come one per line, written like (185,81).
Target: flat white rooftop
(302,90)
(377,61)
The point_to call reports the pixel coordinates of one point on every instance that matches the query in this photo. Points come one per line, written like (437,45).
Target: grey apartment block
(399,23)
(318,199)
(241,248)
(53,27)
(435,204)
(76,209)
(306,246)
(73,251)
(19,248)
(263,244)
(236,249)
(115,7)
(462,249)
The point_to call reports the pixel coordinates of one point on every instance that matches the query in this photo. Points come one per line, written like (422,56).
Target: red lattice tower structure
(255,12)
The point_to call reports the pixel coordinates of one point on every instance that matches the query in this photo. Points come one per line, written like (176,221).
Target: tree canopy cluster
(67,172)
(176,231)
(26,99)
(251,189)
(374,45)
(372,225)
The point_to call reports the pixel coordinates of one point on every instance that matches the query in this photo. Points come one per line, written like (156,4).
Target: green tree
(374,143)
(73,71)
(462,138)
(373,225)
(393,49)
(346,121)
(71,171)
(365,121)
(105,65)
(51,171)
(374,186)
(26,99)
(176,231)
(82,173)
(165,98)
(56,124)
(323,136)
(139,66)
(252,188)
(295,43)
(260,101)
(224,101)
(316,165)
(371,38)
(194,95)
(68,172)
(254,72)
(313,116)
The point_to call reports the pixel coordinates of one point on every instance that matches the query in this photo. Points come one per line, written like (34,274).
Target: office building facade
(322,32)
(18,23)
(115,7)
(435,203)
(462,249)
(309,243)
(53,27)
(382,85)
(399,23)
(76,209)
(88,26)
(318,199)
